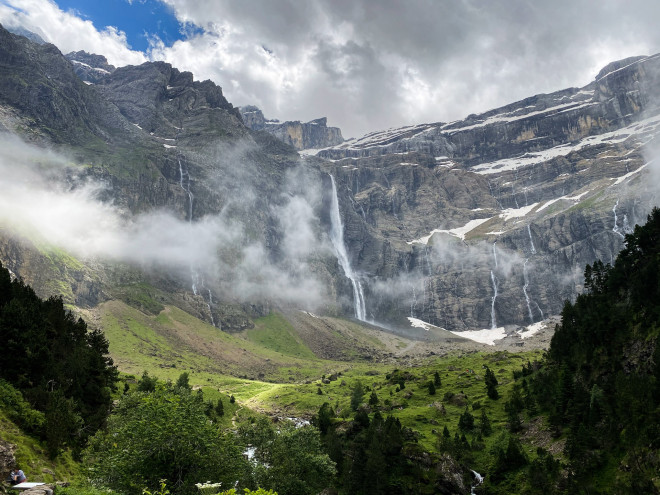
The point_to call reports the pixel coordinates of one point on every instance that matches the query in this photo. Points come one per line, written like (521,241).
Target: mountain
(302,136)
(489,221)
(161,192)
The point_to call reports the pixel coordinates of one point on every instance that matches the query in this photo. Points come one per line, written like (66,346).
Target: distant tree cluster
(59,365)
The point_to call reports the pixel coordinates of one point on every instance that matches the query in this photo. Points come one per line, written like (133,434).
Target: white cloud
(68,31)
(371,65)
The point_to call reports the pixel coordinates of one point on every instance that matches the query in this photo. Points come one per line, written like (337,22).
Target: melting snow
(459,232)
(138,126)
(628,175)
(169,146)
(486,336)
(531,330)
(510,213)
(414,322)
(641,128)
(568,198)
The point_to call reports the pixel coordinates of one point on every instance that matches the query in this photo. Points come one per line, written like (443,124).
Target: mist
(38,204)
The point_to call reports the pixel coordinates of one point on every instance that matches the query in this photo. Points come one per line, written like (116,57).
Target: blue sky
(139,19)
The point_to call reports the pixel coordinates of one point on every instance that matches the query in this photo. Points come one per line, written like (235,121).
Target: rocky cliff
(309,135)
(489,221)
(484,223)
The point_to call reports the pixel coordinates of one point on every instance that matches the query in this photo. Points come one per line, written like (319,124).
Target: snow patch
(510,213)
(414,322)
(531,329)
(486,336)
(628,175)
(459,232)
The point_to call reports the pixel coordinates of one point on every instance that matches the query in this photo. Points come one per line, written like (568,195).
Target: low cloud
(215,249)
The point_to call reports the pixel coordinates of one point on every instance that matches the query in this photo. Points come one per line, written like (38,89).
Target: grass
(32,458)
(275,333)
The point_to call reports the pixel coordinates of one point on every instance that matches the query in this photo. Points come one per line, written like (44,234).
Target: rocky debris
(39,490)
(7,459)
(312,134)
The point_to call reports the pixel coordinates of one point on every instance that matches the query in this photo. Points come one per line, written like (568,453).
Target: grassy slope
(173,342)
(32,458)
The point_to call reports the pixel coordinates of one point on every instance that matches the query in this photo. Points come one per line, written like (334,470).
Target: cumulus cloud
(371,65)
(68,31)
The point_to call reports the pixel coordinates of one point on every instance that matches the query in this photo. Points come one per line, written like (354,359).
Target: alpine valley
(257,254)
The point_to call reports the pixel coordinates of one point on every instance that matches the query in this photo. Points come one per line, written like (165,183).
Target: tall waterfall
(197,281)
(493,322)
(525,287)
(337,239)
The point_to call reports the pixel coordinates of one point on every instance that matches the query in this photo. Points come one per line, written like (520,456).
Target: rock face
(90,67)
(485,222)
(312,134)
(489,221)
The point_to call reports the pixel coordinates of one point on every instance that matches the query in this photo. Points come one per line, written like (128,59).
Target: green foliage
(491,384)
(601,385)
(373,399)
(466,421)
(484,424)
(19,411)
(290,460)
(183,381)
(431,387)
(162,435)
(147,383)
(61,367)
(357,392)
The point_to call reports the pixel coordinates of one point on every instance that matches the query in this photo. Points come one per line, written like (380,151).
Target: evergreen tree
(491,384)
(436,380)
(357,392)
(431,388)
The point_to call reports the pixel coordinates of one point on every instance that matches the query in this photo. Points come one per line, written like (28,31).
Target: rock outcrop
(302,136)
(90,67)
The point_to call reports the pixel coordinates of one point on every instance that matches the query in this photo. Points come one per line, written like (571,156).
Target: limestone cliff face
(490,220)
(483,222)
(309,135)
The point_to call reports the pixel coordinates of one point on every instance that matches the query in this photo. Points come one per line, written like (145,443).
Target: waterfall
(616,228)
(495,254)
(479,479)
(525,287)
(184,183)
(413,303)
(529,232)
(493,323)
(337,239)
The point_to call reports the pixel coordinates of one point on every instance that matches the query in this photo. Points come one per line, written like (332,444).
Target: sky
(367,65)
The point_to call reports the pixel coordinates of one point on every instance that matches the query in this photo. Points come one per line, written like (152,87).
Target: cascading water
(616,228)
(531,242)
(479,480)
(493,322)
(184,183)
(337,239)
(495,254)
(525,287)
